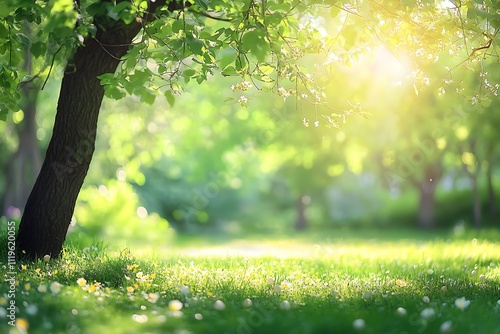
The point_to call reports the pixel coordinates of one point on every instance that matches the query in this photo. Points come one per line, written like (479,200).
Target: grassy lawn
(381,282)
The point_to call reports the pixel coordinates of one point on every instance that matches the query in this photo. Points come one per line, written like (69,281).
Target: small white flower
(285,305)
(446,327)
(185,290)
(426,299)
(219,305)
(46,258)
(462,303)
(153,297)
(175,305)
(42,288)
(198,316)
(401,311)
(427,313)
(270,281)
(140,318)
(31,309)
(55,287)
(358,324)
(246,303)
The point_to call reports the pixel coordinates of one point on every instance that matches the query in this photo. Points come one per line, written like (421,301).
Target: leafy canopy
(272,45)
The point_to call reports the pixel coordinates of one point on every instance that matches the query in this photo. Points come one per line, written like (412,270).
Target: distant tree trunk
(25,163)
(427,204)
(51,203)
(301,206)
(492,204)
(476,201)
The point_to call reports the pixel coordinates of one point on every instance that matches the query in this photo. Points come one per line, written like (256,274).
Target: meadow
(332,282)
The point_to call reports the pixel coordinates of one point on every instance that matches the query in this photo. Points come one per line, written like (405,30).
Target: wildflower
(427,313)
(23,267)
(37,270)
(401,283)
(81,281)
(31,309)
(462,303)
(42,288)
(219,305)
(270,281)
(139,275)
(55,287)
(498,302)
(198,316)
(22,325)
(277,288)
(185,290)
(27,287)
(175,305)
(426,299)
(246,303)
(401,311)
(285,305)
(153,297)
(46,258)
(446,327)
(140,318)
(285,285)
(358,324)
(130,289)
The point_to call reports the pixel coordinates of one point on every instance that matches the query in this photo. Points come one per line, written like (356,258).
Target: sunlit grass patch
(328,287)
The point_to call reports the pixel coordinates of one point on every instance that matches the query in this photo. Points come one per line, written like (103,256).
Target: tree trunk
(52,200)
(301,221)
(491,192)
(476,202)
(26,161)
(427,205)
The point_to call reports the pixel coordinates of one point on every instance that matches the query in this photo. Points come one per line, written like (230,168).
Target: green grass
(329,280)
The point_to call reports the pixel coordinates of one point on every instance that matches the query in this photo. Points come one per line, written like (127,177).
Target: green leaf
(266,69)
(334,11)
(96,9)
(227,56)
(113,92)
(195,45)
(170,97)
(255,42)
(38,49)
(4,33)
(188,73)
(147,96)
(471,13)
(229,70)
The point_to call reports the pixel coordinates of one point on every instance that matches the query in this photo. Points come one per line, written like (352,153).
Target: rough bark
(52,200)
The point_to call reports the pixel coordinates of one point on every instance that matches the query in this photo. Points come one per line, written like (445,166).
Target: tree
(25,163)
(148,47)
